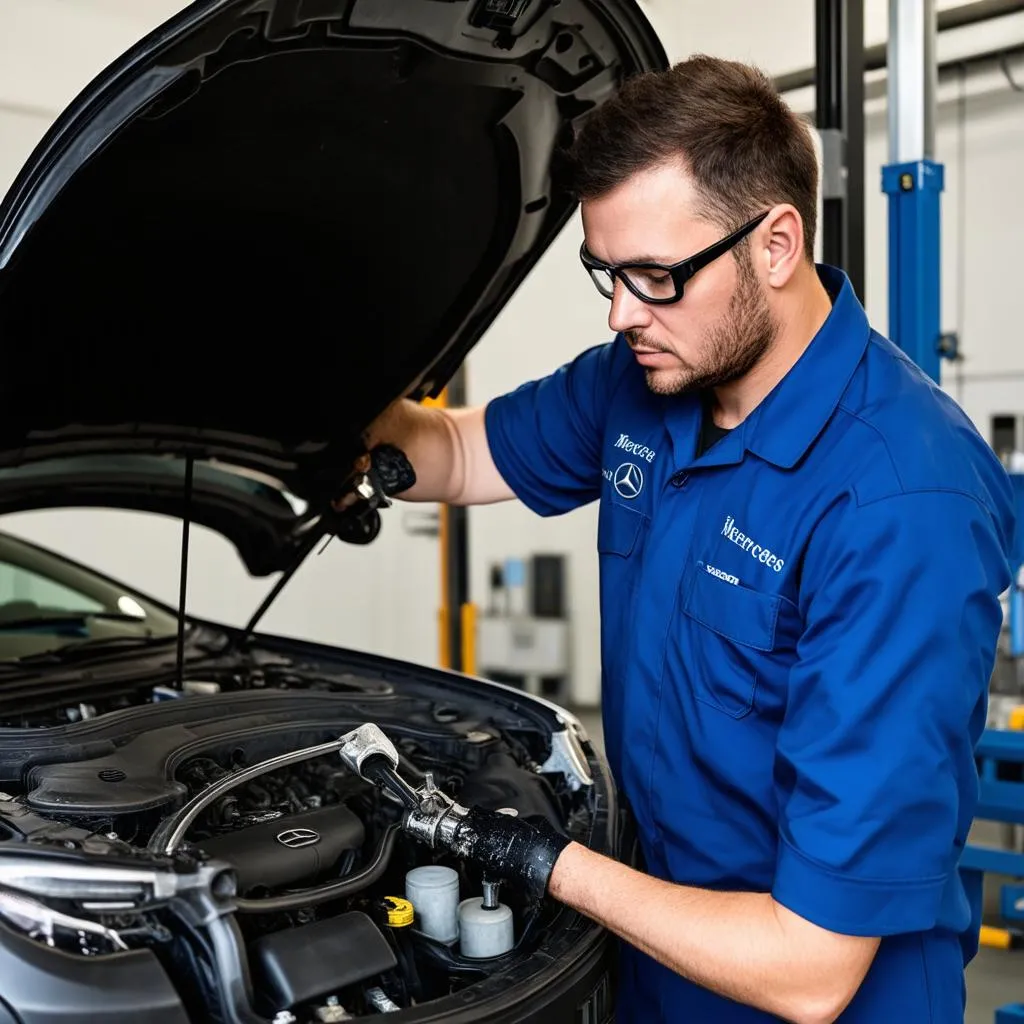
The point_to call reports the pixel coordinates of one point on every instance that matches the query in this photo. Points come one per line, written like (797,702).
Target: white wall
(49,49)
(356,597)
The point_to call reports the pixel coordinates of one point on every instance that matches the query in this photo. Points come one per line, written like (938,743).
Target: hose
(170,833)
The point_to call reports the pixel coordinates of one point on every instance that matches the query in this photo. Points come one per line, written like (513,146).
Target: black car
(260,226)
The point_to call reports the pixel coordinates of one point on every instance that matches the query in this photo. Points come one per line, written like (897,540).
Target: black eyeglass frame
(680,272)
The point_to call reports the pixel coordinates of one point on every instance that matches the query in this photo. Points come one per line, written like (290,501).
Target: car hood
(267,221)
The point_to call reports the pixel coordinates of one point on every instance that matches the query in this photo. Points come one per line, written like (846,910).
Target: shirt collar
(787,421)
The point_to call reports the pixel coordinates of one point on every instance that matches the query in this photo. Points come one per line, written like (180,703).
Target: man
(802,545)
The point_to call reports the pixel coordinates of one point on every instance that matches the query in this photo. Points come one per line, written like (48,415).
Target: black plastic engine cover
(314,960)
(289,849)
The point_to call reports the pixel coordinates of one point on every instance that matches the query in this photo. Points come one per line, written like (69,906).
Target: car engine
(222,837)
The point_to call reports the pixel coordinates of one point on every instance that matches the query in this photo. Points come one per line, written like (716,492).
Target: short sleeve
(875,759)
(545,437)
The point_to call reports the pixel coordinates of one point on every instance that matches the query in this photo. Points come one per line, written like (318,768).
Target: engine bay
(219,832)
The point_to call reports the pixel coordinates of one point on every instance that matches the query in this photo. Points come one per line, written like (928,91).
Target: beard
(732,347)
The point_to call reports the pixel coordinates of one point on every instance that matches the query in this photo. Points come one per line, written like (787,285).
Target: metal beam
(912,80)
(913,180)
(950,69)
(876,57)
(839,95)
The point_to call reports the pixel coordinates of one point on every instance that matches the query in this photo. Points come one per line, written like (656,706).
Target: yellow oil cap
(400,912)
(1017,718)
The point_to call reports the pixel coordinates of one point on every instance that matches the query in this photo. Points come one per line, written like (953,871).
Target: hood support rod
(304,549)
(182,590)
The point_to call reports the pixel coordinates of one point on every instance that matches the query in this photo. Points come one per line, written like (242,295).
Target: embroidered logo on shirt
(629,481)
(641,451)
(752,548)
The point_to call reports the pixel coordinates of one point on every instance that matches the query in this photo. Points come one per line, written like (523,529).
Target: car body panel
(108,741)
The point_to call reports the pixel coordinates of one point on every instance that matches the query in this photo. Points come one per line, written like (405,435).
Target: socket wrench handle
(377,769)
(368,752)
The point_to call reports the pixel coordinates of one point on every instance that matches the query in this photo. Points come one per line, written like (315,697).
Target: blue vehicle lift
(1000,757)
(913,181)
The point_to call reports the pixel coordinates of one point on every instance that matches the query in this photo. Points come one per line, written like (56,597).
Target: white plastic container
(485,932)
(433,890)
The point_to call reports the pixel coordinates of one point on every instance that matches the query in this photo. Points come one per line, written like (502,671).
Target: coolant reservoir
(485,930)
(433,890)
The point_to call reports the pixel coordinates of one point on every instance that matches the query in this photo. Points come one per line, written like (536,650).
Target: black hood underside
(270,219)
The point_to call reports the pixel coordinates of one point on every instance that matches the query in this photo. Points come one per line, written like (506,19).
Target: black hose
(333,890)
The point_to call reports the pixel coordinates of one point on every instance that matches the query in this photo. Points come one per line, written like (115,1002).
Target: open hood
(267,221)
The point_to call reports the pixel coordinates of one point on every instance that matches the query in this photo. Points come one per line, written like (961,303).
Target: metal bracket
(568,758)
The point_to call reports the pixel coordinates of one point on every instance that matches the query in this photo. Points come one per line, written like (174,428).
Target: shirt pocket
(619,545)
(737,641)
(618,527)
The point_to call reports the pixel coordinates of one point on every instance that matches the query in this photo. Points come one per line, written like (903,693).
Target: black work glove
(392,471)
(380,473)
(508,849)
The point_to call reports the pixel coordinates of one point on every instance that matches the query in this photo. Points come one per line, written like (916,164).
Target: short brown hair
(744,147)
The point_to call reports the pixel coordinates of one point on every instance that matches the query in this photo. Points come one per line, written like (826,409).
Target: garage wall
(49,49)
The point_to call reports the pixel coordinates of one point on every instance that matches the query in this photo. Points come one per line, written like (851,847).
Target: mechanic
(802,545)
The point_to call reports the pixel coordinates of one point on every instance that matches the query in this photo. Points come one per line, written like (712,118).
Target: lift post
(839,116)
(914,180)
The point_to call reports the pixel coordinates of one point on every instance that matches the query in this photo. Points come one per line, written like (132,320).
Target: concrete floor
(994,979)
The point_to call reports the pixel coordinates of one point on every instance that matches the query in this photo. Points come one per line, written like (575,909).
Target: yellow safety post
(444,612)
(469,639)
(456,617)
(444,653)
(1000,938)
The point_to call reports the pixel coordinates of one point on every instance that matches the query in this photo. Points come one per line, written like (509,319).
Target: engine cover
(290,848)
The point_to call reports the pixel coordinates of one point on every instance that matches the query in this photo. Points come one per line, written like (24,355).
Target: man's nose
(627,312)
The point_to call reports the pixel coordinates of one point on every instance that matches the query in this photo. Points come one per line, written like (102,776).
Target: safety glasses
(657,283)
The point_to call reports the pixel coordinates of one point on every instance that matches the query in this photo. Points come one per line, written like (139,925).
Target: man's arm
(448,450)
(541,443)
(744,946)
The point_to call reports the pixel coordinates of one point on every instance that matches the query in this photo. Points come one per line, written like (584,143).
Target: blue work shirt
(797,633)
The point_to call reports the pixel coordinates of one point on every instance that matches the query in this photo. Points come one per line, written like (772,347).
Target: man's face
(723,324)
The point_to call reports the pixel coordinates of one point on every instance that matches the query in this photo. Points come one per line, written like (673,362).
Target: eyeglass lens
(653,283)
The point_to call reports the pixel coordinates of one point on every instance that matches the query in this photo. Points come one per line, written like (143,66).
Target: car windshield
(47,602)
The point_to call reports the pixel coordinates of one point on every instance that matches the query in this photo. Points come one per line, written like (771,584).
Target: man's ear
(782,237)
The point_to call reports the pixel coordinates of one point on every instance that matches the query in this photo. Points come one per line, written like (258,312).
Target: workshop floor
(994,979)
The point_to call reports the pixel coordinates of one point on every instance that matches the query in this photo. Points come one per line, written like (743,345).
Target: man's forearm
(429,442)
(741,945)
(448,451)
